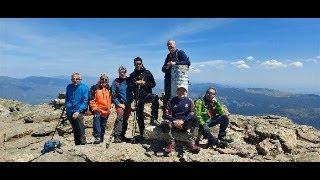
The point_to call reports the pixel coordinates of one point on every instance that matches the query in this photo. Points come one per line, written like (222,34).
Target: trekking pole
(120,116)
(135,111)
(60,118)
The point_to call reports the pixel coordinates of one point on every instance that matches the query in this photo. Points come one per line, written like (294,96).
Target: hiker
(122,98)
(77,96)
(175,57)
(180,116)
(100,106)
(143,83)
(209,112)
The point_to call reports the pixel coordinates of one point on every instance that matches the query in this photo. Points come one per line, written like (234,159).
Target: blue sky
(274,52)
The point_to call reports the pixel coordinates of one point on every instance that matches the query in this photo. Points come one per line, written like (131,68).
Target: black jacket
(145,75)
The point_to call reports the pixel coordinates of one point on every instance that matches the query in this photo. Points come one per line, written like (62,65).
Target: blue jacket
(122,91)
(77,98)
(180,109)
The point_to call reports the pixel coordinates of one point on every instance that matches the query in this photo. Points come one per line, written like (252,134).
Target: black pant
(78,129)
(168,126)
(148,98)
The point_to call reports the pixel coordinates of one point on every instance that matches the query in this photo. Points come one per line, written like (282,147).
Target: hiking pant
(168,126)
(223,120)
(78,128)
(148,98)
(121,123)
(99,125)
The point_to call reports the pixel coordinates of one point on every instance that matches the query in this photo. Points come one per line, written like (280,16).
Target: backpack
(51,145)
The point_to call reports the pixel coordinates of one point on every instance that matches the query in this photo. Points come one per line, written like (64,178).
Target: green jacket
(201,110)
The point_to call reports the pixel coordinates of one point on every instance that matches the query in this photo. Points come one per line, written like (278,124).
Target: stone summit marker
(179,77)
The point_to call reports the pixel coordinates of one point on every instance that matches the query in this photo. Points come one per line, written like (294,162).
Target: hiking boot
(83,140)
(101,139)
(117,140)
(194,148)
(125,139)
(97,140)
(169,148)
(223,144)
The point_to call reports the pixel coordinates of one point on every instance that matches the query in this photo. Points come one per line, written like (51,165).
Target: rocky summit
(24,129)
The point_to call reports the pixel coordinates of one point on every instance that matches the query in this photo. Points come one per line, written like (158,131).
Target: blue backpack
(51,145)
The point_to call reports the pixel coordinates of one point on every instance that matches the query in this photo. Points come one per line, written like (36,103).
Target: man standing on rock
(143,83)
(180,116)
(77,96)
(175,57)
(209,112)
(122,98)
(100,106)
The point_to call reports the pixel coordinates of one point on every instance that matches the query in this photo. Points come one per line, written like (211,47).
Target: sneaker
(96,140)
(194,148)
(169,148)
(117,140)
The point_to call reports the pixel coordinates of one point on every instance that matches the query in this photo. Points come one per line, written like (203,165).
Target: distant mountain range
(301,108)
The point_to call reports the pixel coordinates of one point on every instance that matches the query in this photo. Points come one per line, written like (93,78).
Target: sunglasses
(211,93)
(122,72)
(78,79)
(137,64)
(103,79)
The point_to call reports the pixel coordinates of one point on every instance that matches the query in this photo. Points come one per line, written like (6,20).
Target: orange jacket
(101,101)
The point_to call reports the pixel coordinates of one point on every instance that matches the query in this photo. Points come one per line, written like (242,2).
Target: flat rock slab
(309,134)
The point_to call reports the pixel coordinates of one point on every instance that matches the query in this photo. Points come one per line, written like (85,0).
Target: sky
(279,53)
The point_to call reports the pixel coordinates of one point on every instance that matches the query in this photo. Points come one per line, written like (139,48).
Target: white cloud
(214,63)
(296,64)
(273,64)
(240,64)
(318,57)
(250,58)
(193,69)
(202,66)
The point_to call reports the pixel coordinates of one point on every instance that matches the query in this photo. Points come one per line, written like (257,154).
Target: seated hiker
(180,116)
(122,97)
(100,105)
(209,112)
(76,105)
